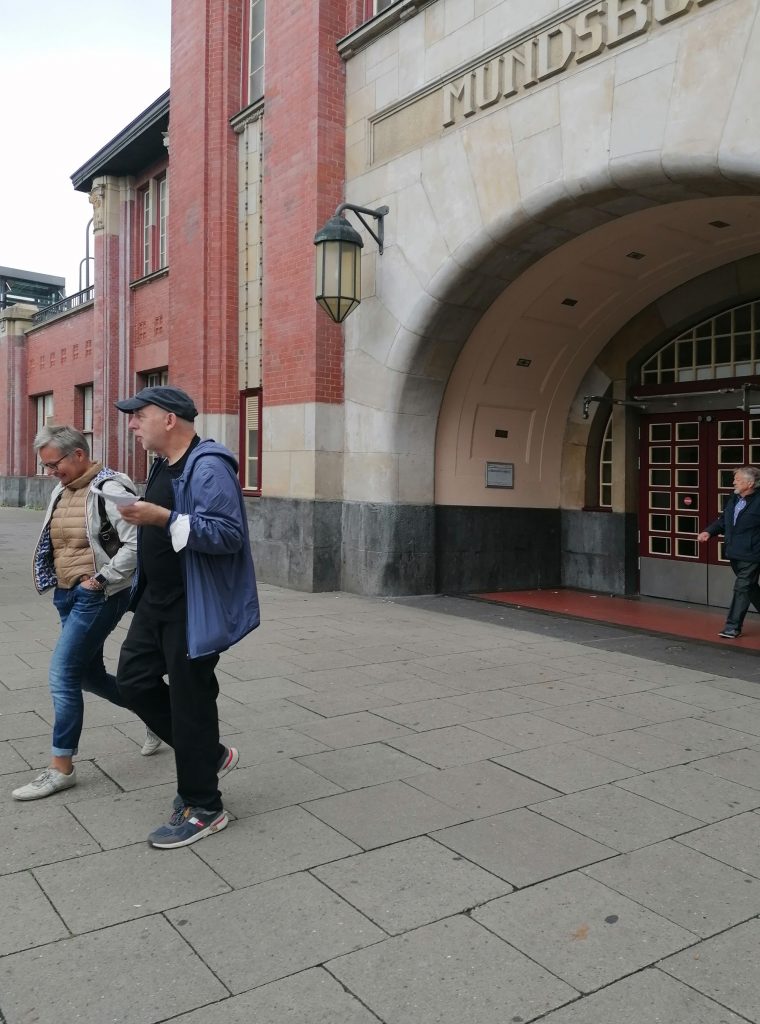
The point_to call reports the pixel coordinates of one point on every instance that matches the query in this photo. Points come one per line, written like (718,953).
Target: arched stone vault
(565,229)
(499,214)
(606,275)
(496,301)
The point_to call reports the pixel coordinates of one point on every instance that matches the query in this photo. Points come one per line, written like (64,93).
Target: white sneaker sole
(231,763)
(30,792)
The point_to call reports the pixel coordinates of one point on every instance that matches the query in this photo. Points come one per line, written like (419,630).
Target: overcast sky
(72,76)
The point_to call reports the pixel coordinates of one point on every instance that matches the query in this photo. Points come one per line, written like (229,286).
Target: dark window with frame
(85,412)
(153,212)
(152,379)
(146,210)
(256,16)
(599,461)
(605,468)
(163,216)
(250,441)
(43,413)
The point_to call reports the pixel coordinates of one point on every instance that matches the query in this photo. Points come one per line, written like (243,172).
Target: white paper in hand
(116,498)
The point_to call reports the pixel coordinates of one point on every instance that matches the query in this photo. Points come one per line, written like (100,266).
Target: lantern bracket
(379,215)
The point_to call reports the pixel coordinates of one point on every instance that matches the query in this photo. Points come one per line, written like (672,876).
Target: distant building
(28,288)
(555,366)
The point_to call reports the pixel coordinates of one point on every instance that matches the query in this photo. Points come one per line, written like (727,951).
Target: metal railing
(65,305)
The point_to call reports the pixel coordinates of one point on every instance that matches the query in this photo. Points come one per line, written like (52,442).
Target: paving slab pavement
(445,812)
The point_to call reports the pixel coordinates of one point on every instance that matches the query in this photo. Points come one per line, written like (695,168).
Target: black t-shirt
(160,564)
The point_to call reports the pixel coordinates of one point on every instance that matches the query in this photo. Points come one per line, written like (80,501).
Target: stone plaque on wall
(500,474)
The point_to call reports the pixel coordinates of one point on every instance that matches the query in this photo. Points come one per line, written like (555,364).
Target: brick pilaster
(205,94)
(304,147)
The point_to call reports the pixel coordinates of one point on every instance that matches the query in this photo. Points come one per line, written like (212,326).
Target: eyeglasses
(56,464)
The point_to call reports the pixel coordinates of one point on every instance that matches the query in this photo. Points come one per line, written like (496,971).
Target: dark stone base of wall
(486,549)
(296,544)
(388,549)
(26,491)
(329,545)
(391,550)
(599,551)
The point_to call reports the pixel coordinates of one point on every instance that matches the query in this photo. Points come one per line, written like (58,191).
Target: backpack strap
(105,522)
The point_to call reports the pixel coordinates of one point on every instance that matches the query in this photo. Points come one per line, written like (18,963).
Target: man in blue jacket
(194,596)
(739,524)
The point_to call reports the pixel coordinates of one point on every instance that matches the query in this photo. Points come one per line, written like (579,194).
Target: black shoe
(729,633)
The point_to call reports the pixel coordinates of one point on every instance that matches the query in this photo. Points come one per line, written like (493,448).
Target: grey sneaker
(188,826)
(227,762)
(178,810)
(151,744)
(48,782)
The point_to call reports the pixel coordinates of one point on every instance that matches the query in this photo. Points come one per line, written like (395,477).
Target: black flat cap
(165,397)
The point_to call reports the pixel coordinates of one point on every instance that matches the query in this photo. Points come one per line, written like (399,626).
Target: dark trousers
(184,713)
(746,591)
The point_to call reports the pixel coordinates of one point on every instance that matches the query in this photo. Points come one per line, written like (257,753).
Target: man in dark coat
(739,524)
(194,596)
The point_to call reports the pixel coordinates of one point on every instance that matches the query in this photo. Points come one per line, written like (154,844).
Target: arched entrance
(591,319)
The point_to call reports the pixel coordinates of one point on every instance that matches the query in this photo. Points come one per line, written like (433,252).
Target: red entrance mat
(670,618)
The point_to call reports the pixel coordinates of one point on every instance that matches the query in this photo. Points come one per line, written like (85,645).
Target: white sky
(72,76)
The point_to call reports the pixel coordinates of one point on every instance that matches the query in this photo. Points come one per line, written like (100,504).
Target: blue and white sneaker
(178,810)
(227,762)
(192,824)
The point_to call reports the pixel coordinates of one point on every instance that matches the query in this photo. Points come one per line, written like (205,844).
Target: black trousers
(184,713)
(746,591)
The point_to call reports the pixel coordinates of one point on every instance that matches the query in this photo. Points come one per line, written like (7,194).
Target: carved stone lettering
(666,10)
(452,93)
(625,20)
(524,58)
(591,33)
(488,83)
(555,51)
(600,26)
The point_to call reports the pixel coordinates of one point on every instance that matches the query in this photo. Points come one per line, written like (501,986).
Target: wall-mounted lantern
(339,262)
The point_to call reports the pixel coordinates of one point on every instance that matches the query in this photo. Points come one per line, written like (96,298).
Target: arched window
(605,467)
(726,345)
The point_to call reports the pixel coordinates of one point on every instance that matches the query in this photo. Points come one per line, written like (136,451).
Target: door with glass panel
(687,464)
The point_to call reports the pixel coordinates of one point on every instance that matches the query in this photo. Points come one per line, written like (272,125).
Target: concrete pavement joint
(334,894)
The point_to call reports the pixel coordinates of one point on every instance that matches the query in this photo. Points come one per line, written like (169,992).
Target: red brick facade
(205,93)
(185,317)
(304,145)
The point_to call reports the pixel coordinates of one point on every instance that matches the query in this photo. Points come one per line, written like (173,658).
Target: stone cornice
(379,25)
(247,116)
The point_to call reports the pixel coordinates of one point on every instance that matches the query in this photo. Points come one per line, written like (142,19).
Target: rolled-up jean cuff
(61,752)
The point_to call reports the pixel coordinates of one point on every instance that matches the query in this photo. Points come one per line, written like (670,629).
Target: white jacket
(118,571)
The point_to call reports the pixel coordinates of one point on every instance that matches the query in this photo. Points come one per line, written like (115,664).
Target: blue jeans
(87,618)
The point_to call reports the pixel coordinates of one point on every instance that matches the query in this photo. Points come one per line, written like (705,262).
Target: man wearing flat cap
(194,596)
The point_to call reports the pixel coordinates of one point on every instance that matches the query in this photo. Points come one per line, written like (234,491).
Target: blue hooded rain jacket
(209,528)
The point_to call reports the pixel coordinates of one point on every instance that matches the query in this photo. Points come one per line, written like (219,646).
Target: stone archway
(514,396)
(493,220)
